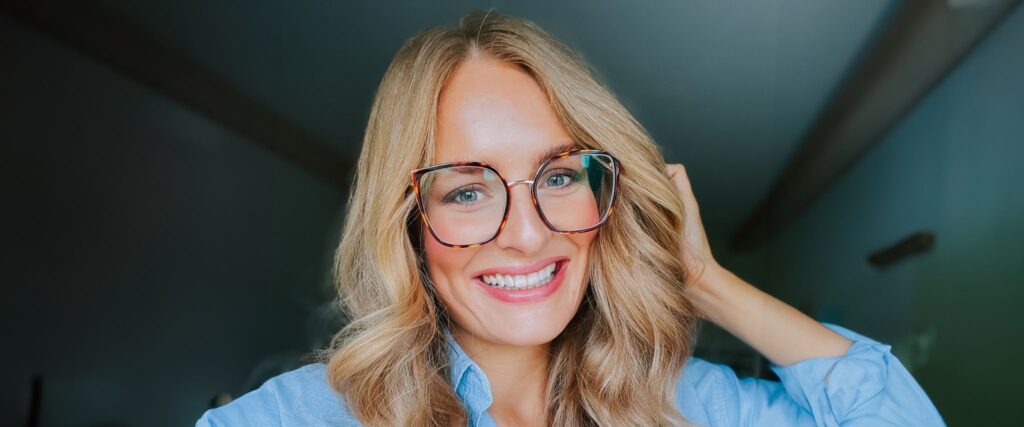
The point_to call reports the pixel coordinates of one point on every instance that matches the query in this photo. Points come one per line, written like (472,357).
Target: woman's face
(494,112)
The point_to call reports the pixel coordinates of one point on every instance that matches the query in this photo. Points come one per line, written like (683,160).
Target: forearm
(780,332)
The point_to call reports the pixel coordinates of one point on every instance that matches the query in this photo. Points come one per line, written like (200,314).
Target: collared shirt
(866,386)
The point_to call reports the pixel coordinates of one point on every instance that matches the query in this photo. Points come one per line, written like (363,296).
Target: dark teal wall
(953,165)
(150,257)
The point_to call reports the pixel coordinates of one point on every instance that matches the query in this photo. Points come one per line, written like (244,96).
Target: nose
(524,231)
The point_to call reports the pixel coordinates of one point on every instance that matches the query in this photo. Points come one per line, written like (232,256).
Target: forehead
(495,112)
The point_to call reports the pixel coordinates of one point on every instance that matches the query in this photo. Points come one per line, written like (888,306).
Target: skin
(487,108)
(496,113)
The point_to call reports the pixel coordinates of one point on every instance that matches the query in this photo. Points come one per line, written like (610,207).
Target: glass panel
(464,204)
(575,192)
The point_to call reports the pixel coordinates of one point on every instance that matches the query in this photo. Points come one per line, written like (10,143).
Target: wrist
(706,276)
(706,286)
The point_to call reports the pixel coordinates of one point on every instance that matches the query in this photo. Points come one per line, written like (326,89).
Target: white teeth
(520,281)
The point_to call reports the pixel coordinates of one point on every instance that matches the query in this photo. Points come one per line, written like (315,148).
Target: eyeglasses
(466,204)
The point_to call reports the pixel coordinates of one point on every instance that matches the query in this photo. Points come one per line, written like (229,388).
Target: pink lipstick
(523,284)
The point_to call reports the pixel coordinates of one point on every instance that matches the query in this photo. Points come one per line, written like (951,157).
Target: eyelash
(450,197)
(573,176)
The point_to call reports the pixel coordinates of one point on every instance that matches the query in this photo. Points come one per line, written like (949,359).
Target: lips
(523,284)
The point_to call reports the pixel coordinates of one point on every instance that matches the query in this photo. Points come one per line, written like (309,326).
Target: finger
(694,221)
(673,169)
(677,173)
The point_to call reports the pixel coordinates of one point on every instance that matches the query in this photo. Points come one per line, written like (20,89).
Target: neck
(518,376)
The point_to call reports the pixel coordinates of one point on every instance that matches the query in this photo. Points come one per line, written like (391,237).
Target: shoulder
(297,398)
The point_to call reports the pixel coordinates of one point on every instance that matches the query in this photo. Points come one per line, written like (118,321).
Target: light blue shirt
(867,386)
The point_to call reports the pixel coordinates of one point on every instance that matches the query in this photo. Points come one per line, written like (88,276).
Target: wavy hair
(618,360)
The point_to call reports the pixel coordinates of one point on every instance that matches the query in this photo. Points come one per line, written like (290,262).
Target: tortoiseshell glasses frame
(417,174)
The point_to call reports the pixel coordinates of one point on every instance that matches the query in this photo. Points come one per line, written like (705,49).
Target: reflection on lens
(575,192)
(464,205)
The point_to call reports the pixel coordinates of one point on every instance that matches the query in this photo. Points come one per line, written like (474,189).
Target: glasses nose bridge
(527,182)
(529,188)
(525,222)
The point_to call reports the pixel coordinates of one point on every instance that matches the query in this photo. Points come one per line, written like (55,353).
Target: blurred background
(174,176)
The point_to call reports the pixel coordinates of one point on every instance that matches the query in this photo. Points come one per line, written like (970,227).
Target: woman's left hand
(695,250)
(776,330)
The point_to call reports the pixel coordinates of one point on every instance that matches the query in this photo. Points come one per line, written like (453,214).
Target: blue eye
(556,180)
(467,196)
(464,195)
(561,179)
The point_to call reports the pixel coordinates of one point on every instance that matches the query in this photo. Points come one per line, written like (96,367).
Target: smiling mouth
(523,280)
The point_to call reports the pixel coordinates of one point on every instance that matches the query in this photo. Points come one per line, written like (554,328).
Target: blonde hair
(618,360)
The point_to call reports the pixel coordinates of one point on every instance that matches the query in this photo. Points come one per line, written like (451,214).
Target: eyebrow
(544,156)
(553,151)
(466,170)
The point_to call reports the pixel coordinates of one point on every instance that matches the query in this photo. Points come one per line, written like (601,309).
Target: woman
(516,252)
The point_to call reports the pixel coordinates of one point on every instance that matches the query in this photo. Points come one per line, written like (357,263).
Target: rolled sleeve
(866,386)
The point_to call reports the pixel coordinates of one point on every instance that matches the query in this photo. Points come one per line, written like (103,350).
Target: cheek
(444,264)
(584,243)
(588,213)
(434,253)
(591,215)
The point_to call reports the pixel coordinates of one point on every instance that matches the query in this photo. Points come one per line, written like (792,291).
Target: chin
(506,324)
(536,334)
(529,324)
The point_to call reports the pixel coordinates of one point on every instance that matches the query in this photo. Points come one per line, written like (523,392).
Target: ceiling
(726,88)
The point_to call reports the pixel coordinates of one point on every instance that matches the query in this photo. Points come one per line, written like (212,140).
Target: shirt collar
(469,381)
